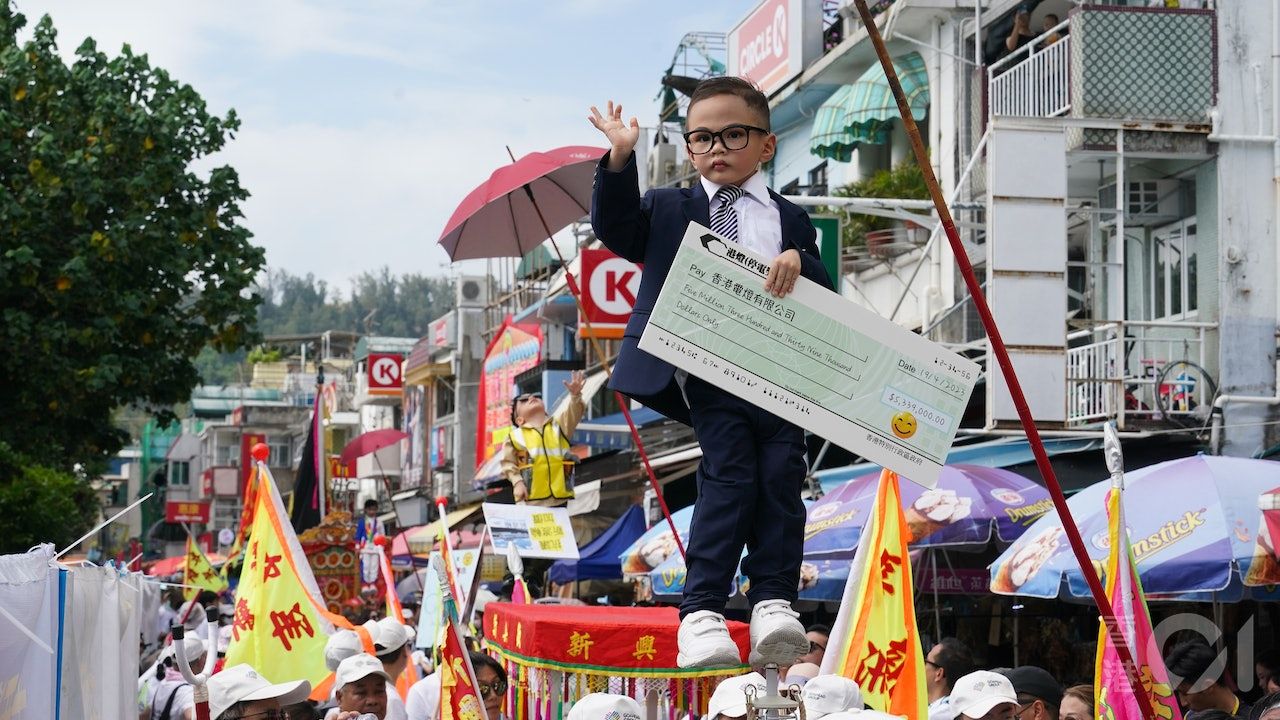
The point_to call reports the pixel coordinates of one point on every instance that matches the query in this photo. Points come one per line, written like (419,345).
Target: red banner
(617,641)
(182,511)
(247,441)
(514,349)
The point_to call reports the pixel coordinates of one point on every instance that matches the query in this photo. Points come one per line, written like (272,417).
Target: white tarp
(28,634)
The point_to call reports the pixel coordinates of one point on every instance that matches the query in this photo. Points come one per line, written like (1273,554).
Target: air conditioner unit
(472,291)
(662,164)
(1147,202)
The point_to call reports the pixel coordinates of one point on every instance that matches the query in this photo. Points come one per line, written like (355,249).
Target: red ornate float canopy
(613,641)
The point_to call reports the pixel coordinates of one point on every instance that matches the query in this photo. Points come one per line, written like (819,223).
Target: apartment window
(1171,266)
(179,473)
(791,188)
(281,452)
(226,455)
(818,180)
(444,399)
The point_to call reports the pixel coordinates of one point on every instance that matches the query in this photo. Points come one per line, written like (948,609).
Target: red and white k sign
(384,372)
(609,286)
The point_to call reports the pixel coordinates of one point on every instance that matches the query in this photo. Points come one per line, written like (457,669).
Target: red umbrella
(372,441)
(499,219)
(519,207)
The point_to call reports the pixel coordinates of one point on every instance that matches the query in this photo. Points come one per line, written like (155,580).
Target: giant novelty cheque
(813,358)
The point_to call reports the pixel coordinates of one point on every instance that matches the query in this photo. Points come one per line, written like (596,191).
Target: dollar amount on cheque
(813,358)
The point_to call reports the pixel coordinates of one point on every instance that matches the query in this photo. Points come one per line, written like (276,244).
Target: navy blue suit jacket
(648,230)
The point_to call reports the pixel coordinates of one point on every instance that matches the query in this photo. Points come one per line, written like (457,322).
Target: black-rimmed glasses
(733,137)
(528,397)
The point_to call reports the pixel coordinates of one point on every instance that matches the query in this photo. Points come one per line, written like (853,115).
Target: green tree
(118,262)
(40,504)
(903,181)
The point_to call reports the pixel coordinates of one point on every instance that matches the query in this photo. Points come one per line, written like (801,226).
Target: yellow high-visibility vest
(544,454)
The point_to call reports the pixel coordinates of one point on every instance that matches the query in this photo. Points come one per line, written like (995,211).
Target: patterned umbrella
(969,505)
(1202,528)
(862,112)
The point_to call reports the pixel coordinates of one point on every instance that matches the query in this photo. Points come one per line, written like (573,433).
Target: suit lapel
(697,208)
(792,226)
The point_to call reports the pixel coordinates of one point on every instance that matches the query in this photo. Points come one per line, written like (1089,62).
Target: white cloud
(336,201)
(364,124)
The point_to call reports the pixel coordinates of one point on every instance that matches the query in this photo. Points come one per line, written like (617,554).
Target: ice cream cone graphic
(934,510)
(1265,567)
(1027,561)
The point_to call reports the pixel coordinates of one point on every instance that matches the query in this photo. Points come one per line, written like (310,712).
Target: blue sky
(365,123)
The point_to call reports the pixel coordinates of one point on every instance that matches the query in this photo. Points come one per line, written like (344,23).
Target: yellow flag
(875,638)
(281,623)
(198,573)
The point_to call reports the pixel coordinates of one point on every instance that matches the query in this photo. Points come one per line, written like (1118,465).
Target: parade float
(555,654)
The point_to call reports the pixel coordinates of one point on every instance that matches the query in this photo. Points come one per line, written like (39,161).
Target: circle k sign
(611,284)
(384,371)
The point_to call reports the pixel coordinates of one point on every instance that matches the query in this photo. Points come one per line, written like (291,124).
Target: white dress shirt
(423,702)
(759,224)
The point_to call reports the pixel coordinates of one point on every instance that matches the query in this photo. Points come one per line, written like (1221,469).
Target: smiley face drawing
(903,424)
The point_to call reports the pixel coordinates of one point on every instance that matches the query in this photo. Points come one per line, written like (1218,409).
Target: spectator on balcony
(1046,25)
(1020,34)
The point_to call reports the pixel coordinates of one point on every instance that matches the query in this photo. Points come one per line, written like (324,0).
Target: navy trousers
(753,466)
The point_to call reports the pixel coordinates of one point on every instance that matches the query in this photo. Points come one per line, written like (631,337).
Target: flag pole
(996,343)
(322,468)
(103,524)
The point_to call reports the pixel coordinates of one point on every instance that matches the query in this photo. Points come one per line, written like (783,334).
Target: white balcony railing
(1034,80)
(1127,372)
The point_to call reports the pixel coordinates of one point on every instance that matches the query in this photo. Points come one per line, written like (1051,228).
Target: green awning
(861,112)
(536,262)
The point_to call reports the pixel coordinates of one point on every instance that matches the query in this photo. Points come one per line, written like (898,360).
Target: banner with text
(537,532)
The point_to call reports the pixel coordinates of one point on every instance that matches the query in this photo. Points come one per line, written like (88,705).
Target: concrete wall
(1246,222)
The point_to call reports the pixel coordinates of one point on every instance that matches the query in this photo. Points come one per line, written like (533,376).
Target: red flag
(395,610)
(459,692)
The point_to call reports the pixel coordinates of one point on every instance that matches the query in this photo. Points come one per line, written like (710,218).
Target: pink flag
(1113,699)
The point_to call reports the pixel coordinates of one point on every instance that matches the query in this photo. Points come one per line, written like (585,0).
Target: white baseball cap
(827,694)
(192,646)
(340,646)
(239,683)
(730,696)
(977,693)
(358,667)
(801,673)
(391,634)
(224,638)
(195,617)
(604,706)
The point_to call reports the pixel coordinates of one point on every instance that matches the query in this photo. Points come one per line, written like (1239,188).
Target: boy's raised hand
(622,136)
(575,382)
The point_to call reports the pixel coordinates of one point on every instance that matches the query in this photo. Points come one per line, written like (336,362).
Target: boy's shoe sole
(720,658)
(782,646)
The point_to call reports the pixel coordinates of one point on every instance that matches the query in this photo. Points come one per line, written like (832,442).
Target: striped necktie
(724,219)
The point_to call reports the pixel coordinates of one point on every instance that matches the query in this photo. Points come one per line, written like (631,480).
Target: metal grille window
(179,473)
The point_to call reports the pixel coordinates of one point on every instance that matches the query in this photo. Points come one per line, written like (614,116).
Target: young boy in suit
(753,463)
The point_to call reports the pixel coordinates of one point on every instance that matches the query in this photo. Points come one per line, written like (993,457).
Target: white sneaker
(704,642)
(776,634)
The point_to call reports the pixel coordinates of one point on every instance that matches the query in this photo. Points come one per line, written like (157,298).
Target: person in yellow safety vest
(534,455)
